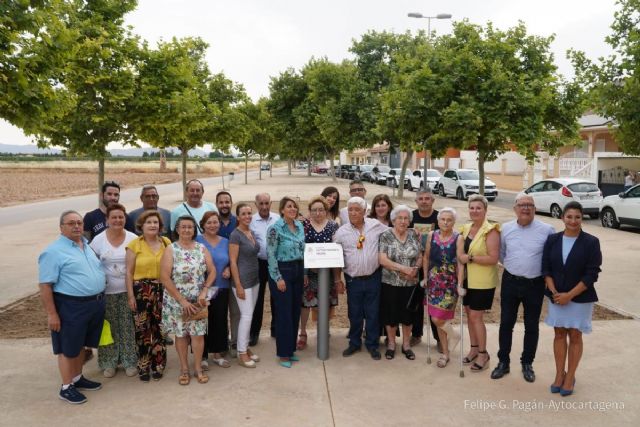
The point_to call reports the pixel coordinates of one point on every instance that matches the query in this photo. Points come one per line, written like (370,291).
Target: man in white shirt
(194,206)
(359,239)
(259,224)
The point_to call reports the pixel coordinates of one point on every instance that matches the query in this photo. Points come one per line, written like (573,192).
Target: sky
(253,40)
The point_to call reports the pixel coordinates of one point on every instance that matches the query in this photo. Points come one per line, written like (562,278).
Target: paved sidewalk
(355,391)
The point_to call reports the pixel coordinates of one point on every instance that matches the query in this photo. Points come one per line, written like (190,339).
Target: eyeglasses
(526,206)
(360,243)
(150,196)
(316,211)
(357,190)
(73,223)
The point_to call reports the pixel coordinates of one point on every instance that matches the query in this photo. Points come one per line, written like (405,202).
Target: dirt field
(22,182)
(27,319)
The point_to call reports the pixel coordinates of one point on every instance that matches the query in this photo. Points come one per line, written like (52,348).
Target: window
(583,187)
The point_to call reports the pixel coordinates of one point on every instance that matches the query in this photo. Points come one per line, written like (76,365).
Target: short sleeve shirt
(112,259)
(147,261)
(406,253)
(95,222)
(71,269)
(247,258)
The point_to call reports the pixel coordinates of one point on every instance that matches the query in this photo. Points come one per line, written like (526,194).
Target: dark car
(365,171)
(347,171)
(265,167)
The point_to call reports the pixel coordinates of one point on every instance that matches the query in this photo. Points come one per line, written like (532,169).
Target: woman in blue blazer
(570,265)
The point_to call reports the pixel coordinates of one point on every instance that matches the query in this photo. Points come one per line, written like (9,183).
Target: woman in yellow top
(145,294)
(478,249)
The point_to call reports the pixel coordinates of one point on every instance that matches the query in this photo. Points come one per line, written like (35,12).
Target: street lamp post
(418,15)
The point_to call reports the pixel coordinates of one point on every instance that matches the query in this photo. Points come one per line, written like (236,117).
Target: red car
(320,169)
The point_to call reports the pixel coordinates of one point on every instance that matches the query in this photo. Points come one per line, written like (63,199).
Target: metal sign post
(323,257)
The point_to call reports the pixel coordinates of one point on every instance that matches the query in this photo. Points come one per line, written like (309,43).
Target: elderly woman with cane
(479,252)
(571,262)
(443,273)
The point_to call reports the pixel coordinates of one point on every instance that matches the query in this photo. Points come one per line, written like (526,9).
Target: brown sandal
(184,378)
(202,377)
(302,342)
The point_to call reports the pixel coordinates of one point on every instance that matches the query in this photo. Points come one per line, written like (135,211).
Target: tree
(100,79)
(382,60)
(337,97)
(293,116)
(614,82)
(502,89)
(36,48)
(171,106)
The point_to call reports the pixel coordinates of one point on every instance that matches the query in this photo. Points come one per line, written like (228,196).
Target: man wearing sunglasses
(95,222)
(356,189)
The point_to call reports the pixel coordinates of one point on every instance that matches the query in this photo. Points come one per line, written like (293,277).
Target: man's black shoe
(500,371)
(375,354)
(350,351)
(527,372)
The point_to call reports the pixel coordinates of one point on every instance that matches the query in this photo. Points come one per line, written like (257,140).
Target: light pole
(418,15)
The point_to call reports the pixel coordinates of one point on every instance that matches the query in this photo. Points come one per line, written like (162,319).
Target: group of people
(200,273)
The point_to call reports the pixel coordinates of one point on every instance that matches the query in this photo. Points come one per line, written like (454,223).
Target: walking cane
(428,336)
(461,339)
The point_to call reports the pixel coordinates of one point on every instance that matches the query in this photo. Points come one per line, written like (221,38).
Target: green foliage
(36,40)
(614,82)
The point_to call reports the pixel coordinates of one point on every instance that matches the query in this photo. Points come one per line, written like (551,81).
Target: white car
(623,208)
(551,195)
(464,182)
(416,181)
(395,172)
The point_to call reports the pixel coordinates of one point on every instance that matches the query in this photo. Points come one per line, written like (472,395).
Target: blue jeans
(529,293)
(287,306)
(363,302)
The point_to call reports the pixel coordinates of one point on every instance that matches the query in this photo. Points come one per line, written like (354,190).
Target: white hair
(401,208)
(357,201)
(448,210)
(521,195)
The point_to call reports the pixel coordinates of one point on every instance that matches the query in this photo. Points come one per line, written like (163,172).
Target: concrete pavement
(341,391)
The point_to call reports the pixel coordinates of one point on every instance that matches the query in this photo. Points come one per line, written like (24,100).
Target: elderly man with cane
(521,246)
(359,240)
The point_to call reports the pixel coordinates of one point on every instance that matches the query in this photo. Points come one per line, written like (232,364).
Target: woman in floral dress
(183,268)
(443,273)
(317,229)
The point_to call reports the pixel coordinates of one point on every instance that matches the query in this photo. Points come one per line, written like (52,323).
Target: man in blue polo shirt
(228,221)
(72,290)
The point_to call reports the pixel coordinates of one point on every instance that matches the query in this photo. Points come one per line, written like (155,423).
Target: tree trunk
(403,171)
(246,164)
(309,162)
(332,169)
(481,157)
(270,168)
(100,178)
(260,169)
(184,153)
(427,158)
(289,165)
(222,170)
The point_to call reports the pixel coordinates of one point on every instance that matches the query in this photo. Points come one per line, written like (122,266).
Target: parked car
(365,172)
(379,174)
(302,165)
(464,182)
(265,167)
(416,181)
(346,171)
(395,173)
(623,208)
(551,195)
(320,169)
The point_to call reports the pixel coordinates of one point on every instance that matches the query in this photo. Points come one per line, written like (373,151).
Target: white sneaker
(109,373)
(131,372)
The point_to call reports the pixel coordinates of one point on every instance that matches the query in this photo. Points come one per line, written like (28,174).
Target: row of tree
(75,77)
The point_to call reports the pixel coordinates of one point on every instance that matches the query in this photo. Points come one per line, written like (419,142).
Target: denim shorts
(81,321)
